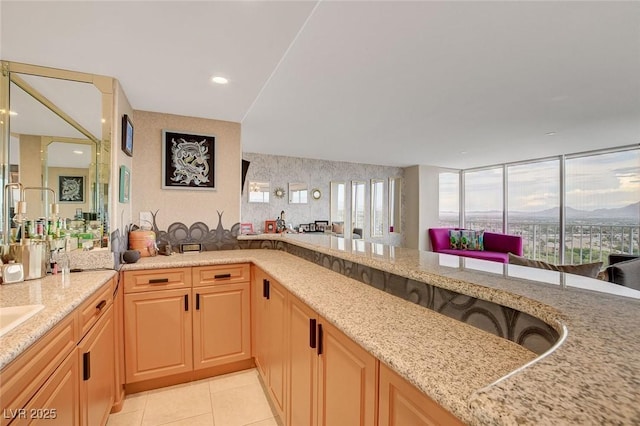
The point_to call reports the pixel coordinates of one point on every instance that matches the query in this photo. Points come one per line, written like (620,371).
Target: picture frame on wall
(125,185)
(321,225)
(188,160)
(246,228)
(127,135)
(71,189)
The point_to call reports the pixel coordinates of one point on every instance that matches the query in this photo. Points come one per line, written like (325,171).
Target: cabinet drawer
(156,279)
(221,274)
(20,380)
(93,307)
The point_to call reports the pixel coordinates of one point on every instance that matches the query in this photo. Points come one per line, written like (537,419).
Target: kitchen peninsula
(589,376)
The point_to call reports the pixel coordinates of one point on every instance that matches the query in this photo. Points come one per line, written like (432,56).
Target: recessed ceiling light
(463,152)
(77,152)
(550,134)
(13,113)
(104,120)
(219,80)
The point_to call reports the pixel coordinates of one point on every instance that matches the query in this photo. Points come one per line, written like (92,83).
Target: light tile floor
(235,399)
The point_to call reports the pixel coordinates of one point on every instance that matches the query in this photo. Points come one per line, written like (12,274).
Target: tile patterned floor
(235,399)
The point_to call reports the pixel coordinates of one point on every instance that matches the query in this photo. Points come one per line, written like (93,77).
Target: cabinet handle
(266,289)
(186,302)
(221,276)
(86,366)
(197,301)
(320,339)
(158,280)
(312,333)
(100,305)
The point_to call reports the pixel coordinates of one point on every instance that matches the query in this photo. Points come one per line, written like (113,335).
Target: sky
(597,181)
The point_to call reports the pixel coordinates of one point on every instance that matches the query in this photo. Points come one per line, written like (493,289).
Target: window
(377,211)
(449,199)
(357,204)
(337,201)
(533,208)
(483,199)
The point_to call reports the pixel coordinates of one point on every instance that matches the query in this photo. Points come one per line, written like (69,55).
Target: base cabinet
(270,310)
(157,334)
(96,355)
(402,404)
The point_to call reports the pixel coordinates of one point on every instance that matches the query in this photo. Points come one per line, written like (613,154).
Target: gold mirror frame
(105,85)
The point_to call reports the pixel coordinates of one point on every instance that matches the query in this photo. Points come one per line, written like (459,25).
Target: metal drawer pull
(86,366)
(312,333)
(158,280)
(221,276)
(100,305)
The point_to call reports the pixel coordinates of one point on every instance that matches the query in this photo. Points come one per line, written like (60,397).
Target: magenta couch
(496,246)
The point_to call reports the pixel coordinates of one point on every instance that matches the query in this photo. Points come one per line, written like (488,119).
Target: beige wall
(31,173)
(179,205)
(120,212)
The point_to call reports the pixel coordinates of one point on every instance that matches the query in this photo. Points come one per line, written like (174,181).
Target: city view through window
(601,206)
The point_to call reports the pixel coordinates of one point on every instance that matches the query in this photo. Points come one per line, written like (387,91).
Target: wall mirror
(395,205)
(259,192)
(298,193)
(377,209)
(358,189)
(58,135)
(316,194)
(338,201)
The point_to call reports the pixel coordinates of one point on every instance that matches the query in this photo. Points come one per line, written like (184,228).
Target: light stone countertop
(59,296)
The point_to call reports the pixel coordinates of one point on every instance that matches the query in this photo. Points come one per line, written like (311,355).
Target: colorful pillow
(454,239)
(471,240)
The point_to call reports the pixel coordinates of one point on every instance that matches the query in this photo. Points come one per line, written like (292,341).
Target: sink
(13,316)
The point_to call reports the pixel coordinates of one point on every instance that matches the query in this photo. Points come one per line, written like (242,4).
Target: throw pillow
(471,240)
(590,270)
(337,227)
(454,239)
(626,273)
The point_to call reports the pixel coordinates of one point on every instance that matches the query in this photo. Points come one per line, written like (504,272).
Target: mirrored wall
(56,133)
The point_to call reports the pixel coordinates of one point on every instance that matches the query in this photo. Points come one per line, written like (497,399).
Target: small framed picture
(71,189)
(304,227)
(312,227)
(321,225)
(246,228)
(125,184)
(270,226)
(127,135)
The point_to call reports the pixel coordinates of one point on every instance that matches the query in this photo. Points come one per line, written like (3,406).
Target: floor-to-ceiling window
(533,207)
(597,198)
(483,199)
(449,199)
(602,205)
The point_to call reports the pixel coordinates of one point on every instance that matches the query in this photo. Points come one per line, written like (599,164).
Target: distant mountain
(632,211)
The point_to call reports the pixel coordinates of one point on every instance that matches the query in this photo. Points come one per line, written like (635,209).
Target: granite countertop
(591,376)
(445,358)
(59,296)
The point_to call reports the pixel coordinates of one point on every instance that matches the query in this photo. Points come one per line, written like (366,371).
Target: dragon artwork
(190,162)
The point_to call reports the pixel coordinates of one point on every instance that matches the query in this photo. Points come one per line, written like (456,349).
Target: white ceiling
(395,83)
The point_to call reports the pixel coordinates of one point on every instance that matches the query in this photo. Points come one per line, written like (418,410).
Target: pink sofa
(496,246)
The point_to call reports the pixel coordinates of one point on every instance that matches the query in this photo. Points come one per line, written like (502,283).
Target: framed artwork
(71,189)
(270,226)
(304,227)
(312,227)
(125,184)
(188,160)
(127,135)
(321,225)
(246,228)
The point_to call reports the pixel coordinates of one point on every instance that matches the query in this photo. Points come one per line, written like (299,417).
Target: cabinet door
(96,357)
(347,380)
(221,329)
(157,334)
(402,404)
(57,402)
(259,322)
(303,364)
(277,349)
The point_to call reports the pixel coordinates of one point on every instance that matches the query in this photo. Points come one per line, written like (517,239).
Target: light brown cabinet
(270,303)
(158,334)
(332,380)
(46,384)
(96,356)
(402,404)
(184,320)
